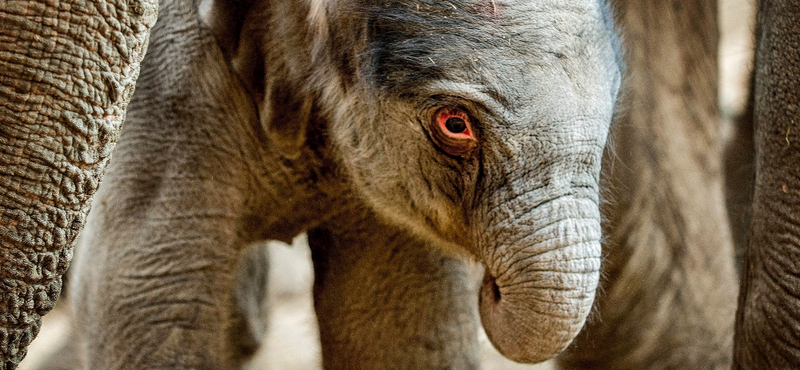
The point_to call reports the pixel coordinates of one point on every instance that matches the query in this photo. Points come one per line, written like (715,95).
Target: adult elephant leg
(67,72)
(156,271)
(668,299)
(768,319)
(387,301)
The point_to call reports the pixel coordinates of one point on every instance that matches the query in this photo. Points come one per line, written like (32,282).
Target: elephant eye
(452,131)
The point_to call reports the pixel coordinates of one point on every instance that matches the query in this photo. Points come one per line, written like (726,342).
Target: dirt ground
(292,342)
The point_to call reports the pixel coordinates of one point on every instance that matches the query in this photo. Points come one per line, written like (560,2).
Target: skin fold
(67,73)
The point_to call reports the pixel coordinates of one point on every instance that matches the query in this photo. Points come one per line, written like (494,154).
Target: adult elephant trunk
(542,271)
(67,72)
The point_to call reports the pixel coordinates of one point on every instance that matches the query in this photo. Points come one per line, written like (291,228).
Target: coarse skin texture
(669,293)
(315,115)
(67,72)
(768,319)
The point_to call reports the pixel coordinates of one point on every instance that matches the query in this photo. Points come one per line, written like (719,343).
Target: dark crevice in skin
(489,280)
(740,176)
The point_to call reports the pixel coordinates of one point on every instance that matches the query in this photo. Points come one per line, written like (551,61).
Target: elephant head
(480,126)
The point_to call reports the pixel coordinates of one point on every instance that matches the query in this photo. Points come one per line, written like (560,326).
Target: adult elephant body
(67,72)
(768,318)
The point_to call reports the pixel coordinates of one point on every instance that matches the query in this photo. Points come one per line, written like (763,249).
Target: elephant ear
(237,25)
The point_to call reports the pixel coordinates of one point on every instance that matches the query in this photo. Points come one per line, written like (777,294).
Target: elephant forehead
(442,40)
(534,57)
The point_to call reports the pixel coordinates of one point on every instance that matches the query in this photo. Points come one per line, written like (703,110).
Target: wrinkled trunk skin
(768,320)
(67,72)
(670,285)
(541,278)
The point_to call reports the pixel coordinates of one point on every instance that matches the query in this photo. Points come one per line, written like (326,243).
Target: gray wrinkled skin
(67,73)
(769,301)
(316,116)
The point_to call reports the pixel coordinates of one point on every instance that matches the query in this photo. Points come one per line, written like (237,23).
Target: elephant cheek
(65,81)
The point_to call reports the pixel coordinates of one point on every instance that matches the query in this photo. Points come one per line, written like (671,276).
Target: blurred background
(292,341)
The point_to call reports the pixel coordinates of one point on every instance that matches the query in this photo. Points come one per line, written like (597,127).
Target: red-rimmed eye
(452,131)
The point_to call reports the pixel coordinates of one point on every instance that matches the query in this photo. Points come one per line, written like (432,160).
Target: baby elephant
(405,136)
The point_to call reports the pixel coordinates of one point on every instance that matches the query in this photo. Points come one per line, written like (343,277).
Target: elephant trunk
(539,286)
(68,71)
